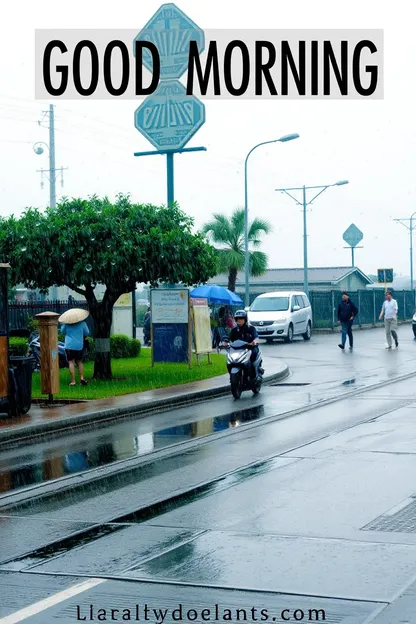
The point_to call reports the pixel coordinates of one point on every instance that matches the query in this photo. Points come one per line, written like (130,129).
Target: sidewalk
(42,420)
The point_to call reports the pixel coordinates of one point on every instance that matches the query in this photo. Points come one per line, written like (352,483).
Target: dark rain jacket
(346,310)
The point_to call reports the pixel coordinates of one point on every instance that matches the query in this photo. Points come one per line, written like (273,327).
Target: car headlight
(279,321)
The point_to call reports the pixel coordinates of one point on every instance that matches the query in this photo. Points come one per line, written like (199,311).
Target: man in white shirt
(389,311)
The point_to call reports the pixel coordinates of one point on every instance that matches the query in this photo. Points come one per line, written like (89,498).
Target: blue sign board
(170,30)
(169,118)
(352,236)
(170,342)
(385,276)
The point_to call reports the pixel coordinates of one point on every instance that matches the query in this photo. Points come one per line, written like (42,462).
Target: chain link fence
(369,302)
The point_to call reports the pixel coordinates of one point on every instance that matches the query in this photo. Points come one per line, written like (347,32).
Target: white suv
(281,315)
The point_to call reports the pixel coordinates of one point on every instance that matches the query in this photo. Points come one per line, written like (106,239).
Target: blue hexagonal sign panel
(169,118)
(171,31)
(352,235)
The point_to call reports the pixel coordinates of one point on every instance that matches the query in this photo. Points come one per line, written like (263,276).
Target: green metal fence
(369,302)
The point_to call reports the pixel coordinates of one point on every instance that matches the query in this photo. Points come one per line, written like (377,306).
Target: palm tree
(227,235)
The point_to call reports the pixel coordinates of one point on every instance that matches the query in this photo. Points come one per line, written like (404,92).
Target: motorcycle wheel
(236,385)
(257,387)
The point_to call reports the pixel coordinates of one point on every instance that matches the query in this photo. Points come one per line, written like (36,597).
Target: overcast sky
(370,143)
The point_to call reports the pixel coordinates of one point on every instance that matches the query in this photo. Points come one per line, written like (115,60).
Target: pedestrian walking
(347,311)
(147,323)
(390,311)
(75,330)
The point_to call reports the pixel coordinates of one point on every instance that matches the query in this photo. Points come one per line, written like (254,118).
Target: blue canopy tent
(217,294)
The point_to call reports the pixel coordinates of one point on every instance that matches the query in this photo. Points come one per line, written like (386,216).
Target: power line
(18,119)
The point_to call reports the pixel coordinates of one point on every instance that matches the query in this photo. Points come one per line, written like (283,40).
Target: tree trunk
(102,314)
(232,279)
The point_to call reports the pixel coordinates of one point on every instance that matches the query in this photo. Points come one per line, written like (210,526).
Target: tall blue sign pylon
(169,118)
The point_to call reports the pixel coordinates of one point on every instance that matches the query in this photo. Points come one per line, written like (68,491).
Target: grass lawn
(135,375)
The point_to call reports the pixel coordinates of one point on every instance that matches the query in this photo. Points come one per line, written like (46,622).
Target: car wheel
(308,334)
(289,337)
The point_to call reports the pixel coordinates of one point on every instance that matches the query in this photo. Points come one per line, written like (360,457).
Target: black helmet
(240,314)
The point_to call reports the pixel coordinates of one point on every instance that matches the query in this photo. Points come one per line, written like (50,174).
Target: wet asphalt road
(312,512)
(319,367)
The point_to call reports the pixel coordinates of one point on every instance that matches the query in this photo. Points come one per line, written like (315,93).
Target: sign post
(49,360)
(171,334)
(169,118)
(352,236)
(385,276)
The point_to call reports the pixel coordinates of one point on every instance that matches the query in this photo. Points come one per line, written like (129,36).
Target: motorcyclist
(247,333)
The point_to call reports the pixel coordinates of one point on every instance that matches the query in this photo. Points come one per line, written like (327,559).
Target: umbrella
(73,316)
(216,294)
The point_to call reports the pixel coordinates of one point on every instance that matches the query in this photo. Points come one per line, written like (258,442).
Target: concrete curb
(11,437)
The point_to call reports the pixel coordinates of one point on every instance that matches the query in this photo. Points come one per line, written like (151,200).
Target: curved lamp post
(283,139)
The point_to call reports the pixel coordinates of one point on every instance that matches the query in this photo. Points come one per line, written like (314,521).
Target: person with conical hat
(75,330)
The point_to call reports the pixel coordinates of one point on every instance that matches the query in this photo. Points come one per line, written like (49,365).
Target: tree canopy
(85,242)
(227,234)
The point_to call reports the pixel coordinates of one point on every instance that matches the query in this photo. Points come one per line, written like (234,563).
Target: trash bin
(20,387)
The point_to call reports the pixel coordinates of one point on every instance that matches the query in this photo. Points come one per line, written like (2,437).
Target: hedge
(18,346)
(121,347)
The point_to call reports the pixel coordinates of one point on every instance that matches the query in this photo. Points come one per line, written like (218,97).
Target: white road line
(399,507)
(46,603)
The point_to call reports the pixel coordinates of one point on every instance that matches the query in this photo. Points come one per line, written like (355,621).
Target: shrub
(32,324)
(18,346)
(120,347)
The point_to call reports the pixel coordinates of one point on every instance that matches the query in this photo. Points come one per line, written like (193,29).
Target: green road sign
(385,276)
(352,236)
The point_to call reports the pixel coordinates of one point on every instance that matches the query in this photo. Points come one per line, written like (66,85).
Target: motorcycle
(414,325)
(240,368)
(34,352)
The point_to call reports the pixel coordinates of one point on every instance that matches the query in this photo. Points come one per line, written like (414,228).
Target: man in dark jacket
(347,311)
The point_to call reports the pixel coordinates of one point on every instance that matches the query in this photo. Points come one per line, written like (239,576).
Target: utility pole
(52,171)
(305,244)
(304,204)
(410,227)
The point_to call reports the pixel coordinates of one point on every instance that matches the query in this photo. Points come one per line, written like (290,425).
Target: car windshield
(270,304)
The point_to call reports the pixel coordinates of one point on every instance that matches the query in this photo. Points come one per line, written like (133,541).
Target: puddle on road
(49,465)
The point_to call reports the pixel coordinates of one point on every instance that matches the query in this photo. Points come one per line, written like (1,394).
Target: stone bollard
(4,333)
(49,356)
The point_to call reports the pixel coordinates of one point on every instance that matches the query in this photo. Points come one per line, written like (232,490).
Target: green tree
(85,242)
(11,292)
(227,235)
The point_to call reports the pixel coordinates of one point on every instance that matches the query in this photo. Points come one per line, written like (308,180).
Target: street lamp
(283,139)
(410,227)
(304,205)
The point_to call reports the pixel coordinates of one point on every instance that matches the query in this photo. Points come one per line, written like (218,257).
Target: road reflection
(54,464)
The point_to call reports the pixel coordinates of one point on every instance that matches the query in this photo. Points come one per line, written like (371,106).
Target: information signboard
(171,330)
(169,305)
(202,327)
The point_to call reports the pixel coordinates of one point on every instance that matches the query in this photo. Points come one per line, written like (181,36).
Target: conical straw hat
(71,317)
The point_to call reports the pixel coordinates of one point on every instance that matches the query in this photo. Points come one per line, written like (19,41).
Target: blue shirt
(74,335)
